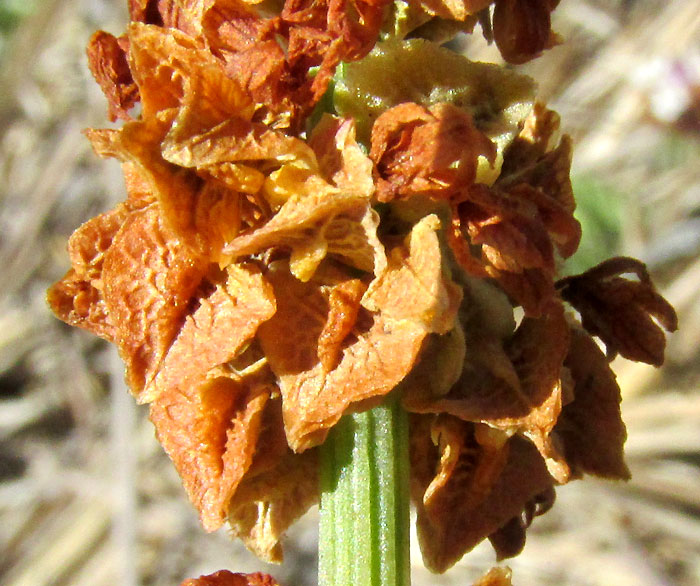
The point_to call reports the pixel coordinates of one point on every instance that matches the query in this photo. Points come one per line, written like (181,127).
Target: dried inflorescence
(286,256)
(494,577)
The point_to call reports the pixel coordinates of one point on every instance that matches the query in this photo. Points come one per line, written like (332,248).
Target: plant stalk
(364,531)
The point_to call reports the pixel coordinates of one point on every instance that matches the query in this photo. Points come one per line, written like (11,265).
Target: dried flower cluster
(494,577)
(288,253)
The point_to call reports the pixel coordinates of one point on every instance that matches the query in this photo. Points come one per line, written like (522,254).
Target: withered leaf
(426,150)
(415,285)
(109,66)
(268,502)
(495,577)
(149,278)
(207,423)
(377,354)
(522,28)
(590,426)
(464,504)
(226,578)
(620,311)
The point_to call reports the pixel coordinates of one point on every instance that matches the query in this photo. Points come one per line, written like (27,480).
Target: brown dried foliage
(426,151)
(379,349)
(226,578)
(495,577)
(108,63)
(465,489)
(522,28)
(627,315)
(523,219)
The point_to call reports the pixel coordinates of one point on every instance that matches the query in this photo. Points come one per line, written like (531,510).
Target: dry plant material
(226,578)
(426,151)
(522,28)
(629,316)
(109,66)
(275,267)
(495,577)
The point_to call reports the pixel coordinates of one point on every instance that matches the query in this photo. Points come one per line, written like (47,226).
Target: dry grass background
(87,496)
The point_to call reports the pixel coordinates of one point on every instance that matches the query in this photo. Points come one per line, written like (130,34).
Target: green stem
(364,535)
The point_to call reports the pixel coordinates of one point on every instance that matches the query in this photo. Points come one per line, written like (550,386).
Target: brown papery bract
(515,386)
(620,311)
(149,279)
(326,32)
(209,422)
(108,63)
(314,226)
(415,285)
(378,353)
(590,426)
(522,28)
(226,578)
(523,218)
(271,497)
(495,577)
(431,151)
(478,487)
(135,291)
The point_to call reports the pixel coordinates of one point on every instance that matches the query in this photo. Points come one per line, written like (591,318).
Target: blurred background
(87,496)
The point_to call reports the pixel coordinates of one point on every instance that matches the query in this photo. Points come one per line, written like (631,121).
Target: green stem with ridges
(364,535)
